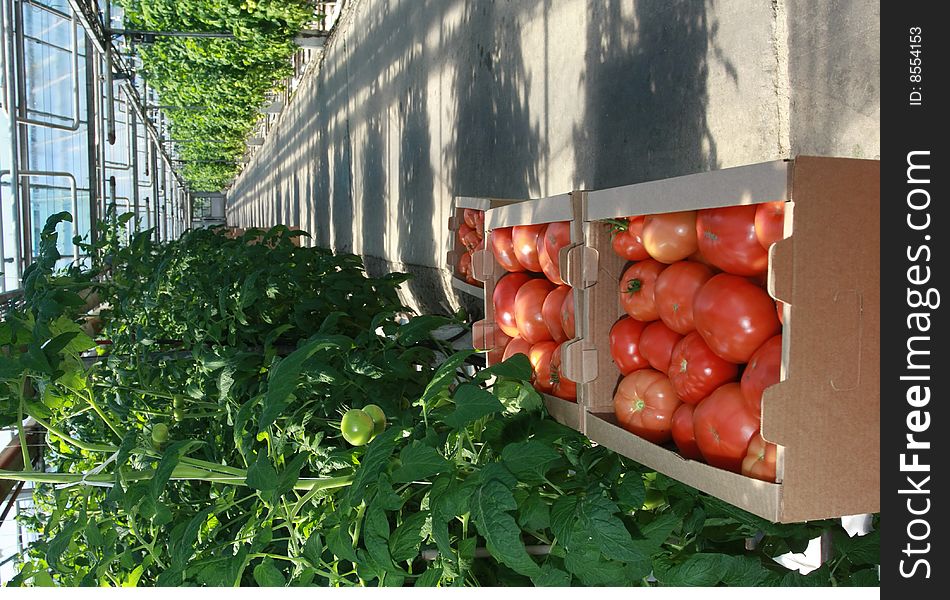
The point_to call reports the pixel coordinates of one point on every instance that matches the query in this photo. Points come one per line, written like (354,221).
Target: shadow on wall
(496,150)
(342,215)
(645,94)
(374,205)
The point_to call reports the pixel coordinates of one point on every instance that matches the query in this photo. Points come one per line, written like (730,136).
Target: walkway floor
(421,100)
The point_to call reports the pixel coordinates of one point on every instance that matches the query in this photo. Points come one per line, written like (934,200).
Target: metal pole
(91,127)
(184,34)
(17,112)
(134,150)
(10,93)
(155,201)
(110,99)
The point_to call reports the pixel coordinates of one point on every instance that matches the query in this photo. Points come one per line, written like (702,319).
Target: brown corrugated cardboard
(825,412)
(486,334)
(456,219)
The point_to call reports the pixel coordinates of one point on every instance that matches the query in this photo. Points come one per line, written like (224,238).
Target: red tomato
(479,221)
(551,312)
(759,461)
(723,426)
(670,237)
(762,371)
(556,236)
(696,371)
(528,303)
(734,317)
(567,315)
(644,404)
(468,215)
(561,386)
(526,240)
(769,223)
(627,239)
(467,236)
(503,299)
(727,239)
(674,292)
(636,289)
(504,251)
(656,345)
(625,345)
(683,434)
(517,345)
(540,356)
(465,264)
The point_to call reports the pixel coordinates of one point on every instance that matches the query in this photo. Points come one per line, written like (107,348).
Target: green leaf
(517,367)
(376,537)
(283,379)
(374,462)
(341,544)
(266,574)
(551,576)
(289,476)
(599,518)
(655,533)
(405,540)
(60,542)
(534,514)
(167,464)
(860,549)
(630,491)
(420,328)
(530,460)
(313,549)
(262,476)
(443,377)
(419,462)
(471,403)
(431,577)
(491,505)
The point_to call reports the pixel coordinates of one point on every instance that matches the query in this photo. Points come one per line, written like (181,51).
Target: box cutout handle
(847,308)
(454,222)
(581,262)
(579,363)
(781,261)
(483,265)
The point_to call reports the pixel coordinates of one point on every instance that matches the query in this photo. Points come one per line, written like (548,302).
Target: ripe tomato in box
(670,237)
(540,358)
(675,290)
(625,345)
(528,314)
(763,370)
(683,434)
(561,386)
(724,427)
(551,311)
(517,345)
(636,289)
(644,404)
(627,238)
(727,239)
(567,315)
(503,299)
(696,371)
(770,223)
(759,461)
(656,345)
(526,239)
(504,251)
(734,316)
(556,236)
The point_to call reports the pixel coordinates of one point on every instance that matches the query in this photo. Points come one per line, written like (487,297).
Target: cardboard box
(825,412)
(486,334)
(452,256)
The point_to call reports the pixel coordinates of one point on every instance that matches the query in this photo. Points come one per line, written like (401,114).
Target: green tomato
(159,433)
(178,402)
(178,414)
(357,427)
(379,418)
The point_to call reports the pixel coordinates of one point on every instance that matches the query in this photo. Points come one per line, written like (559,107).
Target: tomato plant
(526,240)
(670,237)
(724,427)
(696,370)
(637,289)
(529,302)
(504,251)
(551,312)
(674,292)
(759,461)
(503,299)
(625,345)
(727,239)
(769,223)
(626,238)
(644,404)
(656,345)
(682,430)
(734,316)
(763,370)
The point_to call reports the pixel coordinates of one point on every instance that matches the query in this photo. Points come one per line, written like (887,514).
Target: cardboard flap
(483,265)
(579,363)
(579,265)
(781,261)
(455,221)
(543,210)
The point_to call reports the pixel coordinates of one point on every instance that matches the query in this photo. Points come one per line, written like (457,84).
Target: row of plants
(218,83)
(193,438)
